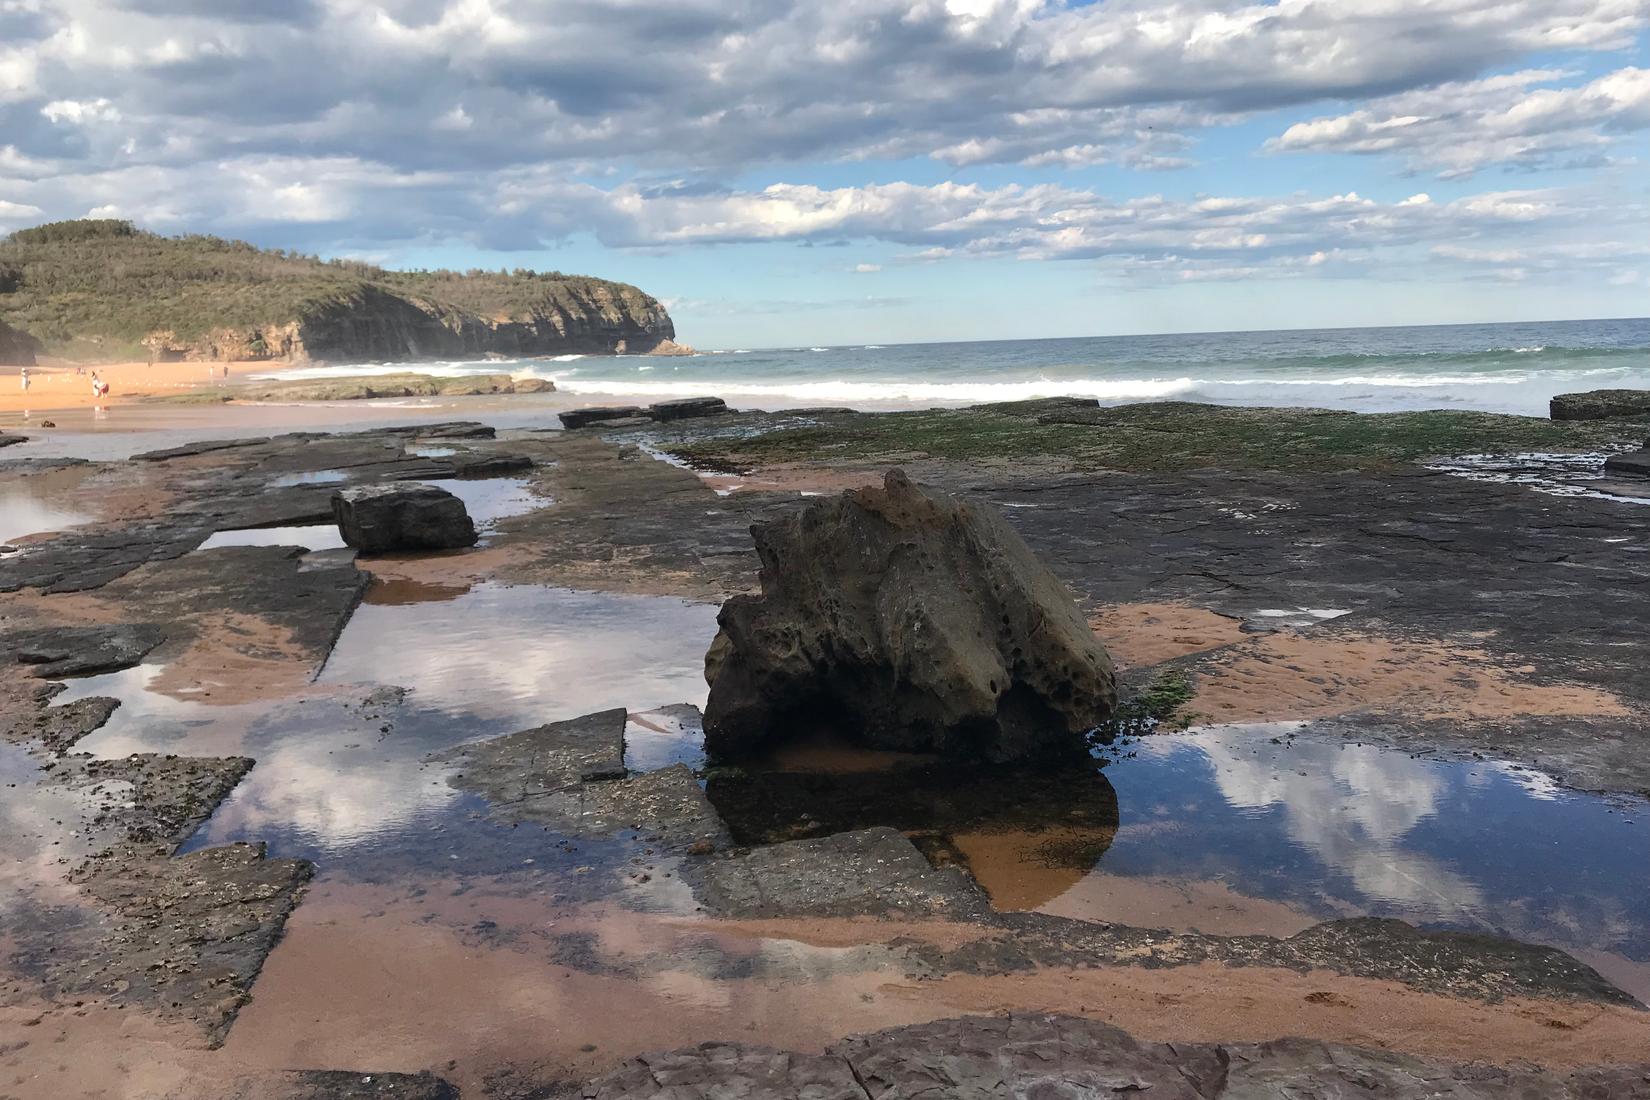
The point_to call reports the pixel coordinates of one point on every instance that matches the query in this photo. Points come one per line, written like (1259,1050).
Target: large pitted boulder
(911,620)
(402,516)
(1600,405)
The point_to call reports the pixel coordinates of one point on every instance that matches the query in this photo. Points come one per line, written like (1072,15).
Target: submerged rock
(917,621)
(402,517)
(1600,404)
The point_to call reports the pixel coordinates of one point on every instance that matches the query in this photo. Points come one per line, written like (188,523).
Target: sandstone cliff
(101,289)
(16,348)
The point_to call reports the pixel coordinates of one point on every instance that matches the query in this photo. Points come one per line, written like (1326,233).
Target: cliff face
(101,289)
(377,324)
(16,348)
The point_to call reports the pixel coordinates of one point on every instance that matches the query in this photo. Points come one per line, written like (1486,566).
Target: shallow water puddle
(341,775)
(529,655)
(489,500)
(308,477)
(1227,831)
(39,503)
(1557,474)
(320,536)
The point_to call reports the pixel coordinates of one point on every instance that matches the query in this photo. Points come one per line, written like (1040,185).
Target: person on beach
(24,376)
(100,388)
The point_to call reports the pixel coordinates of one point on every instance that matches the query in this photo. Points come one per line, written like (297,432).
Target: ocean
(1512,368)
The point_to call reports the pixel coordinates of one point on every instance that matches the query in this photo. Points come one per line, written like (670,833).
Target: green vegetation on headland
(363,388)
(1159,436)
(107,290)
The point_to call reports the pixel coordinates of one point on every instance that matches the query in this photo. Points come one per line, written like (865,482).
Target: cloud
(717,85)
(867,269)
(351,204)
(1457,129)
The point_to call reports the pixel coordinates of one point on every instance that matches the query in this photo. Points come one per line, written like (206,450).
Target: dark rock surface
(631,416)
(58,728)
(922,620)
(380,518)
(870,872)
(526,765)
(1600,404)
(687,408)
(338,1084)
(57,652)
(583,418)
(179,936)
(1052,1057)
(1633,463)
(7,440)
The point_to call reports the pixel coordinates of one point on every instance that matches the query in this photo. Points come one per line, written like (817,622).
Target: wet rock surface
(925,622)
(1633,463)
(56,652)
(572,419)
(866,873)
(631,416)
(554,757)
(180,936)
(1033,1055)
(342,1085)
(381,518)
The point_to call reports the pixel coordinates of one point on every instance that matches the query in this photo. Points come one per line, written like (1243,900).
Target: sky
(840,171)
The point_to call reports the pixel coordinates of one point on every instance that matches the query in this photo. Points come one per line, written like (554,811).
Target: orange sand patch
(55,385)
(1026,868)
(1289,676)
(1212,908)
(438,572)
(1141,634)
(1235,1004)
(236,658)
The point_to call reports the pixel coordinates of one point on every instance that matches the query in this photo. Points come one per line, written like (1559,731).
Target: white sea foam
(842,391)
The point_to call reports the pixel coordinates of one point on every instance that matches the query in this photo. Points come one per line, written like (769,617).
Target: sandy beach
(60,384)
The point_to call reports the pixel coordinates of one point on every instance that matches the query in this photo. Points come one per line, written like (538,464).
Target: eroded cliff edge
(107,290)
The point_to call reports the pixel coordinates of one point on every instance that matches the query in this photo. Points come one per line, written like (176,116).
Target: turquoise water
(1499,368)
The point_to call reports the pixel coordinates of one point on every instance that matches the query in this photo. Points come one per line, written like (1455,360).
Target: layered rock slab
(1053,1057)
(916,621)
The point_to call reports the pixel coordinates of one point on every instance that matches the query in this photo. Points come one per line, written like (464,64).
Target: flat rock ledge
(1052,1057)
(630,416)
(1600,405)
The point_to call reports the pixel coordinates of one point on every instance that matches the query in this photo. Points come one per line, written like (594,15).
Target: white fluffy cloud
(1460,128)
(364,125)
(723,83)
